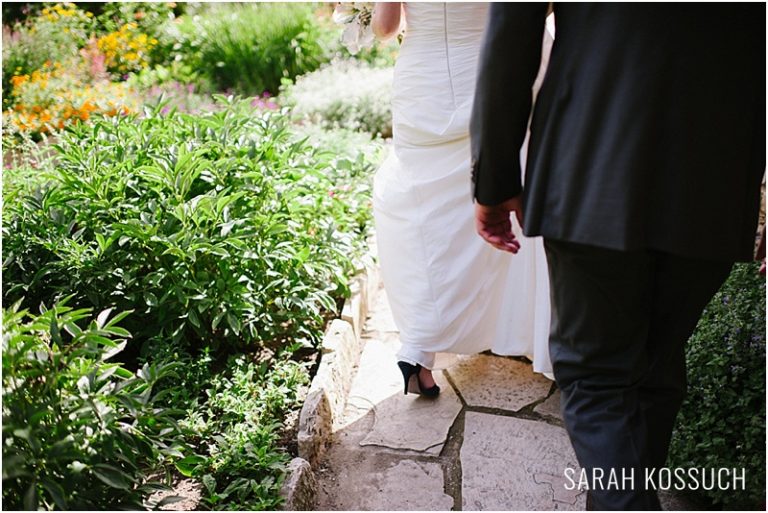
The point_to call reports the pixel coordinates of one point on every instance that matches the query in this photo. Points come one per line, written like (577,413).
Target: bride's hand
(494,225)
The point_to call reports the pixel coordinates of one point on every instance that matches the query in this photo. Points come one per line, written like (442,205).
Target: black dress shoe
(411,382)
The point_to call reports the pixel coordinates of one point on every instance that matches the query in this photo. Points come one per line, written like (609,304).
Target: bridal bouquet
(358,33)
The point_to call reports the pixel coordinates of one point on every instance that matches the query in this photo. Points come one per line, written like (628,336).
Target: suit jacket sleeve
(509,62)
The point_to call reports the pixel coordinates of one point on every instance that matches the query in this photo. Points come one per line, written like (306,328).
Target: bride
(449,291)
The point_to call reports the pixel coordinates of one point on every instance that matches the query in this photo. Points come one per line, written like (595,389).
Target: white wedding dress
(449,291)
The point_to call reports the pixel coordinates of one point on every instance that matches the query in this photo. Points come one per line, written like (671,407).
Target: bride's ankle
(425,378)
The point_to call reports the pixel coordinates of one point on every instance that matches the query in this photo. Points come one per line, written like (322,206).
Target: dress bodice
(436,70)
(445,24)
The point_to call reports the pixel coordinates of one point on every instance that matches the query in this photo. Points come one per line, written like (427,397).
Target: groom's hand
(495,226)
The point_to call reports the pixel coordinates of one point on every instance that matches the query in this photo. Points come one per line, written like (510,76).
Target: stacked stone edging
(341,348)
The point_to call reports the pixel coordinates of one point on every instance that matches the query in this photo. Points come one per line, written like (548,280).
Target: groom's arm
(508,65)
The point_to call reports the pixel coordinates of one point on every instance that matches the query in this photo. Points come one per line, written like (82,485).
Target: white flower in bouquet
(358,33)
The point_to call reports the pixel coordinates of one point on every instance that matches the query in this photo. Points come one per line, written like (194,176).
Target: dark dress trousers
(644,165)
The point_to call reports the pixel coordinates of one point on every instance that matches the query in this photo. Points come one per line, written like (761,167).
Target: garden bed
(184,249)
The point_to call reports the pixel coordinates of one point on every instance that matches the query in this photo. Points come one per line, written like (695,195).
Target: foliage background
(722,422)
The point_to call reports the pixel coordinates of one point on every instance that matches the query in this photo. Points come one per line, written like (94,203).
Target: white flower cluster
(344,94)
(358,33)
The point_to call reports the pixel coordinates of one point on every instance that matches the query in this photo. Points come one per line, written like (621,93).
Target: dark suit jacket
(648,131)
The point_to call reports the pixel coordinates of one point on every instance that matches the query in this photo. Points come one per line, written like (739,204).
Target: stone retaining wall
(327,396)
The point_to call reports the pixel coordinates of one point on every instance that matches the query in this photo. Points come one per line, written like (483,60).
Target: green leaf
(30,497)
(218,318)
(123,373)
(210,483)
(276,229)
(187,465)
(302,255)
(56,492)
(113,351)
(171,499)
(193,318)
(150,299)
(14,466)
(112,476)
(54,331)
(101,320)
(233,322)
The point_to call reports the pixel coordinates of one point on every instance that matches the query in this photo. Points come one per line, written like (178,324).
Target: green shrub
(344,94)
(240,429)
(217,230)
(79,432)
(722,422)
(238,420)
(251,48)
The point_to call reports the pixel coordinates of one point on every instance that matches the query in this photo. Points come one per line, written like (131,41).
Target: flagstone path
(493,440)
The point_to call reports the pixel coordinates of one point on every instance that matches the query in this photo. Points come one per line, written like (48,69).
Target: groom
(646,155)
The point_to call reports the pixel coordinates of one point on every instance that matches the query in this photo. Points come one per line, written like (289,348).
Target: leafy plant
(346,94)
(251,48)
(722,422)
(79,432)
(240,427)
(219,229)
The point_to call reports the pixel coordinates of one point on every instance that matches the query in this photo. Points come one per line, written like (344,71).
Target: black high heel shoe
(412,383)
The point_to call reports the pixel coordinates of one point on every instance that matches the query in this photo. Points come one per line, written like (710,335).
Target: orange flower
(18,80)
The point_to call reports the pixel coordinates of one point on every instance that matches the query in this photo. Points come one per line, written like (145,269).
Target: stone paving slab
(516,464)
(406,422)
(551,407)
(497,382)
(414,422)
(377,482)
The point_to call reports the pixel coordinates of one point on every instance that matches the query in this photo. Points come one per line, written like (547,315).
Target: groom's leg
(601,311)
(682,288)
(624,314)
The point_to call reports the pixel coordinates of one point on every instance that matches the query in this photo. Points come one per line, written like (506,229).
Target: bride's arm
(386,19)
